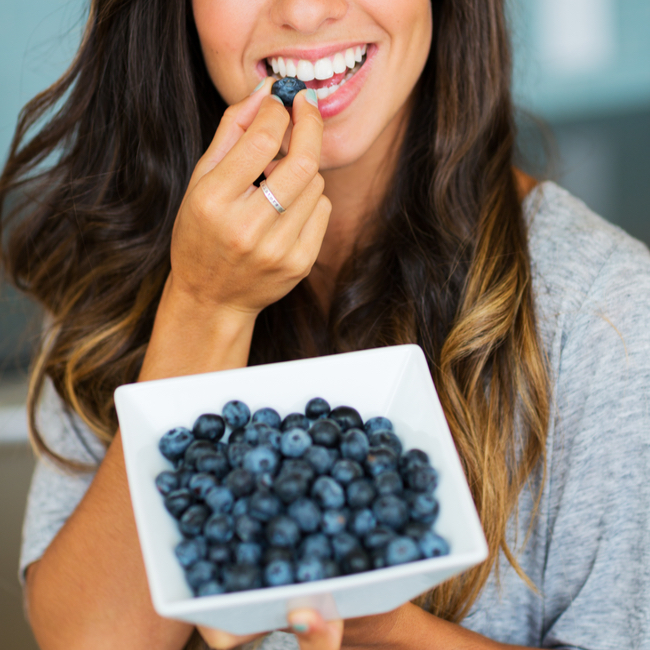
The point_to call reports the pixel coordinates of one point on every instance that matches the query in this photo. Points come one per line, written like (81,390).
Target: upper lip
(313,54)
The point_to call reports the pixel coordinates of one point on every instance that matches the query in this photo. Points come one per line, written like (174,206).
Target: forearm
(90,587)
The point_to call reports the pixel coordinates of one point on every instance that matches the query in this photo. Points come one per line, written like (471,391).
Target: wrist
(192,336)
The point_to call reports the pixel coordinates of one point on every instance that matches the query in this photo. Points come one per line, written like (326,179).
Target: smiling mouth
(326,75)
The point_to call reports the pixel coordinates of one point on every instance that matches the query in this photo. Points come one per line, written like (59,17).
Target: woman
(155,255)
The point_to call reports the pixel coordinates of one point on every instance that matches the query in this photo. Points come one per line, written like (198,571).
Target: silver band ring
(269,195)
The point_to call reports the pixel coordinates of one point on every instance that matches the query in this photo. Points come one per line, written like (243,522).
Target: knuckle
(305,166)
(264,143)
(318,183)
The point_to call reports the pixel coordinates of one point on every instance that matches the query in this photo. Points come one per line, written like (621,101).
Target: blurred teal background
(581,66)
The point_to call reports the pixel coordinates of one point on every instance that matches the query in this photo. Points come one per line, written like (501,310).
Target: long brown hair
(95,188)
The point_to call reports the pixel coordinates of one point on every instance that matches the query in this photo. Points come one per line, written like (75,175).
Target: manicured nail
(300,627)
(259,85)
(276,97)
(312,97)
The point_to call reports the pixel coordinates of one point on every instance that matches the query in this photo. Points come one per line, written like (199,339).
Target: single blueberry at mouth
(236,414)
(287,89)
(278,572)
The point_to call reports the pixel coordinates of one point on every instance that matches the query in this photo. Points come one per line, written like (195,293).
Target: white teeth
(323,69)
(291,68)
(274,65)
(282,67)
(322,93)
(364,49)
(339,63)
(357,55)
(305,70)
(349,58)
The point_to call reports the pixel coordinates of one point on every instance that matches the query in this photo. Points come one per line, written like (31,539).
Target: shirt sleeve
(54,492)
(596,588)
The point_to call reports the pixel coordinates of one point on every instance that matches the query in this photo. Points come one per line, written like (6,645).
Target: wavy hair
(88,235)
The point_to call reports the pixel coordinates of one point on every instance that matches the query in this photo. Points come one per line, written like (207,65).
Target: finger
(220,640)
(296,170)
(252,153)
(235,121)
(313,633)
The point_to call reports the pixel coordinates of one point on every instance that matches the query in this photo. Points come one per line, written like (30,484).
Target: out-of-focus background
(582,68)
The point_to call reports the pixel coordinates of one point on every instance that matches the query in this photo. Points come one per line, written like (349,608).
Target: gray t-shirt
(589,551)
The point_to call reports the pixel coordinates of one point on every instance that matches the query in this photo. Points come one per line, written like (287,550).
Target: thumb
(314,633)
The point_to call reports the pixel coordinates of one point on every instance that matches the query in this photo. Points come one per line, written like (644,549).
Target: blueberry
(238,435)
(264,481)
(220,499)
(328,493)
(377,424)
(354,445)
(184,477)
(260,460)
(241,577)
(248,553)
(209,426)
(319,458)
(334,521)
(197,449)
(282,531)
(412,458)
(295,421)
(379,537)
(326,433)
(388,483)
(362,522)
(421,478)
(416,529)
(253,431)
(178,501)
(356,561)
(219,528)
(401,550)
(391,511)
(220,553)
(378,558)
(247,528)
(306,514)
(346,417)
(316,545)
(381,459)
(199,573)
(298,466)
(190,551)
(201,483)
(175,442)
(346,470)
(360,493)
(210,588)
(424,507)
(331,568)
(287,89)
(317,408)
(295,442)
(271,438)
(236,453)
(213,462)
(274,553)
(267,416)
(388,439)
(344,543)
(240,507)
(236,414)
(192,520)
(290,486)
(167,482)
(433,545)
(240,482)
(278,572)
(309,569)
(263,506)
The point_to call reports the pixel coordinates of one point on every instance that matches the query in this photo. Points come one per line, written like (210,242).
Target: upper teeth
(323,68)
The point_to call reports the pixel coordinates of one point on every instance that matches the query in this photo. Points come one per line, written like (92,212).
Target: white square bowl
(394,382)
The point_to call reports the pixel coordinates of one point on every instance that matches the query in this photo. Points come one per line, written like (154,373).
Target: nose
(308,16)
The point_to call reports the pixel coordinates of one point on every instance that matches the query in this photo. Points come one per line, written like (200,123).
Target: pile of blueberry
(307,497)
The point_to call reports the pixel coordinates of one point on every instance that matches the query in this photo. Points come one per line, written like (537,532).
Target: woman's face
(241,39)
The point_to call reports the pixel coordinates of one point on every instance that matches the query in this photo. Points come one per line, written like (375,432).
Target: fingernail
(276,97)
(259,85)
(300,626)
(312,97)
